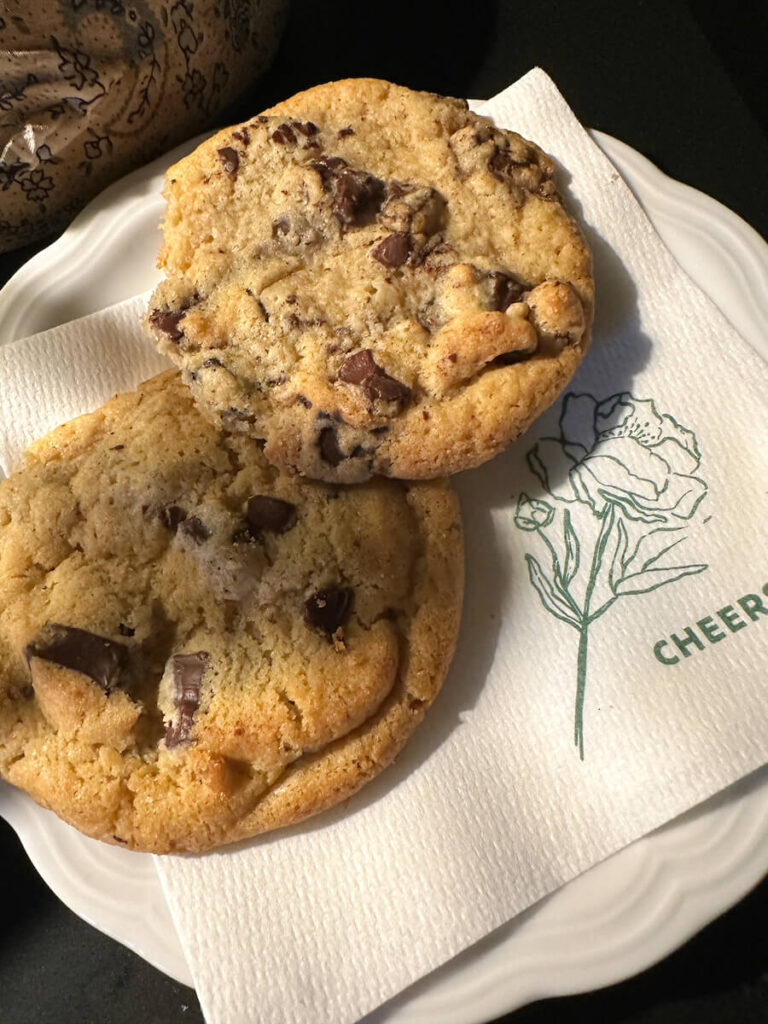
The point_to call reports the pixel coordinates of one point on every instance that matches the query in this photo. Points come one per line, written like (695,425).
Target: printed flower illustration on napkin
(623,479)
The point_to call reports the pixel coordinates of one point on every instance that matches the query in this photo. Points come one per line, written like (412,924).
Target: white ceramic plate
(610,923)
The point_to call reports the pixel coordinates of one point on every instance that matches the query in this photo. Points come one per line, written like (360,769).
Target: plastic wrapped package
(90,89)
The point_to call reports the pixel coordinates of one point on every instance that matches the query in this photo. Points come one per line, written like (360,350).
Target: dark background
(687,85)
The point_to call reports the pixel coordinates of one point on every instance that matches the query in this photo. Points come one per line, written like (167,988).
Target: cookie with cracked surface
(196,647)
(373,280)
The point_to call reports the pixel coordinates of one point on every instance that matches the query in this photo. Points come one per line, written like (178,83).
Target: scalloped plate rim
(683,899)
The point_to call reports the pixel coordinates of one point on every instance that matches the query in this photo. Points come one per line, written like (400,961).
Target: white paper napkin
(616,603)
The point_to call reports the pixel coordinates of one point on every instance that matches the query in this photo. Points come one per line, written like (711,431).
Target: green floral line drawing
(623,479)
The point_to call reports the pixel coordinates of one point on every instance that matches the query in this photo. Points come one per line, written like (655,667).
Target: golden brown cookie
(374,280)
(195,647)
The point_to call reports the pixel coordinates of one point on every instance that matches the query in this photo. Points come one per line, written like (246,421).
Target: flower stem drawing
(625,493)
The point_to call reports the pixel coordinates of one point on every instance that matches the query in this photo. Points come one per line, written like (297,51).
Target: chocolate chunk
(304,401)
(307,129)
(172,516)
(188,672)
(343,132)
(328,167)
(271,514)
(167,321)
(358,199)
(230,160)
(117,447)
(504,290)
(283,134)
(361,368)
(502,163)
(358,368)
(195,529)
(210,363)
(388,389)
(294,230)
(95,656)
(125,630)
(329,446)
(329,609)
(394,250)
(242,135)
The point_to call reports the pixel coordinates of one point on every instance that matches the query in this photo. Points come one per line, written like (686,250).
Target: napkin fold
(611,664)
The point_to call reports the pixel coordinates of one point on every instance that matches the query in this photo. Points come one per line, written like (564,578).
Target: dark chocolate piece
(343,132)
(328,167)
(358,199)
(504,290)
(167,321)
(271,514)
(329,609)
(188,672)
(230,160)
(307,128)
(94,656)
(172,516)
(195,529)
(242,135)
(329,446)
(125,630)
(360,368)
(283,134)
(394,250)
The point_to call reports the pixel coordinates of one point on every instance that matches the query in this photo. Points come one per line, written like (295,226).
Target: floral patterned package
(90,89)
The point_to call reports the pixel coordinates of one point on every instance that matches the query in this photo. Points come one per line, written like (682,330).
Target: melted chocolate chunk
(167,321)
(343,132)
(188,672)
(283,134)
(328,167)
(172,516)
(358,199)
(125,630)
(394,250)
(195,529)
(329,609)
(329,447)
(230,160)
(360,368)
(307,128)
(271,514)
(504,290)
(94,656)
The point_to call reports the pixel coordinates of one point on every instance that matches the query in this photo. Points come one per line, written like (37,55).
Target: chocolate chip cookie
(372,280)
(195,647)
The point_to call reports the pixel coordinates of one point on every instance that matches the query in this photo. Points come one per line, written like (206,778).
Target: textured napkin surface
(616,607)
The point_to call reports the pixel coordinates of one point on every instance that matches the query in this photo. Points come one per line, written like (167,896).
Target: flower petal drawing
(550,462)
(577,420)
(533,513)
(635,469)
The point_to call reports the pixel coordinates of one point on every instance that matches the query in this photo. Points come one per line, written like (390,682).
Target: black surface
(685,84)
